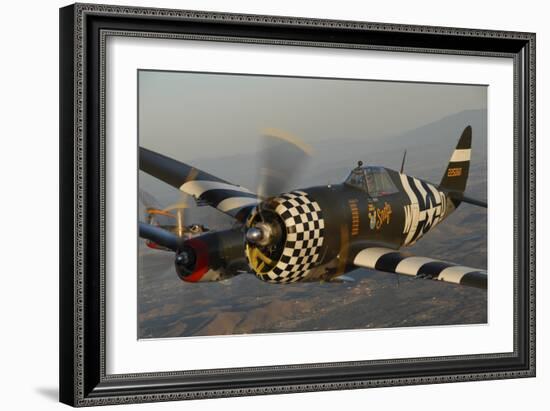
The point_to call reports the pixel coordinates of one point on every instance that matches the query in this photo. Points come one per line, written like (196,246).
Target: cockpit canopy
(372,179)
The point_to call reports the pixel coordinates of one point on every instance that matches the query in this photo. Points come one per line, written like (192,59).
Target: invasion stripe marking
(413,209)
(389,261)
(454,274)
(407,219)
(236,203)
(197,187)
(435,192)
(433,269)
(369,256)
(438,203)
(423,192)
(413,236)
(414,188)
(214,197)
(408,190)
(429,194)
(411,265)
(415,216)
(392,261)
(475,279)
(438,199)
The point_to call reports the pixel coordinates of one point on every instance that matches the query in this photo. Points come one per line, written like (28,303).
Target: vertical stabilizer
(456,174)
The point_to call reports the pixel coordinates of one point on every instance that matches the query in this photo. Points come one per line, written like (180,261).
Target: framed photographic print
(262,204)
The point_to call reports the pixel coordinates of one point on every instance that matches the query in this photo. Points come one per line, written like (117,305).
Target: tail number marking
(454,172)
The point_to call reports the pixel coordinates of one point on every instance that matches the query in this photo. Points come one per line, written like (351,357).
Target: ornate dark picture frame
(83,30)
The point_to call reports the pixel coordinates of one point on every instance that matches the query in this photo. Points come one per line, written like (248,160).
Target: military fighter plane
(316,233)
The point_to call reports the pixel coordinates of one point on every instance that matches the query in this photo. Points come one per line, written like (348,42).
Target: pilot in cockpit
(371,179)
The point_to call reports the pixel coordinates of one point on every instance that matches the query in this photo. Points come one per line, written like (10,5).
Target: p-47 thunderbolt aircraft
(316,233)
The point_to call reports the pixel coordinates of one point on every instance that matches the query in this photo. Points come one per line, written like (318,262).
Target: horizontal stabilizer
(460,197)
(474,201)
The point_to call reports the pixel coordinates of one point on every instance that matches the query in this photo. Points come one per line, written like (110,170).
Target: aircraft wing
(392,261)
(207,189)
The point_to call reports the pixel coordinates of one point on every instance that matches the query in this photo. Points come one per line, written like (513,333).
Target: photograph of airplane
(276,204)
(315,233)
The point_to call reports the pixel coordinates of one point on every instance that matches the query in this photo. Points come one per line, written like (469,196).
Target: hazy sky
(196,115)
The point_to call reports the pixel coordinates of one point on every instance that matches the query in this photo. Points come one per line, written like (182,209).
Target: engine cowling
(285,237)
(213,256)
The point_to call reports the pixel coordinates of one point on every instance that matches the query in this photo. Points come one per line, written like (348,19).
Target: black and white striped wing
(392,261)
(207,189)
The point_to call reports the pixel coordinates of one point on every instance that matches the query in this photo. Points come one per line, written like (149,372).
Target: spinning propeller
(283,157)
(171,219)
(179,210)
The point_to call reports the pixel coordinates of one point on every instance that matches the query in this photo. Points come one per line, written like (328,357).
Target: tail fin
(456,174)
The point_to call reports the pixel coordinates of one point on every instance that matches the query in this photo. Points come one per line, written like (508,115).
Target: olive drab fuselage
(355,219)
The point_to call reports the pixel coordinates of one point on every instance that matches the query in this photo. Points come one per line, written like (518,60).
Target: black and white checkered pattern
(305,228)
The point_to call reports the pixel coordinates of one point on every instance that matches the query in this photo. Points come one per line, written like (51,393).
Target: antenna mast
(403,161)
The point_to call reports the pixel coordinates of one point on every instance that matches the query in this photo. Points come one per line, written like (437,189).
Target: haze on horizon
(202,115)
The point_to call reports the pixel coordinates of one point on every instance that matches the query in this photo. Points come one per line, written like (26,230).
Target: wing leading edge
(392,261)
(207,189)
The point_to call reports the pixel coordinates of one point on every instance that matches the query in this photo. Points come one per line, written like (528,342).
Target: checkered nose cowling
(298,247)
